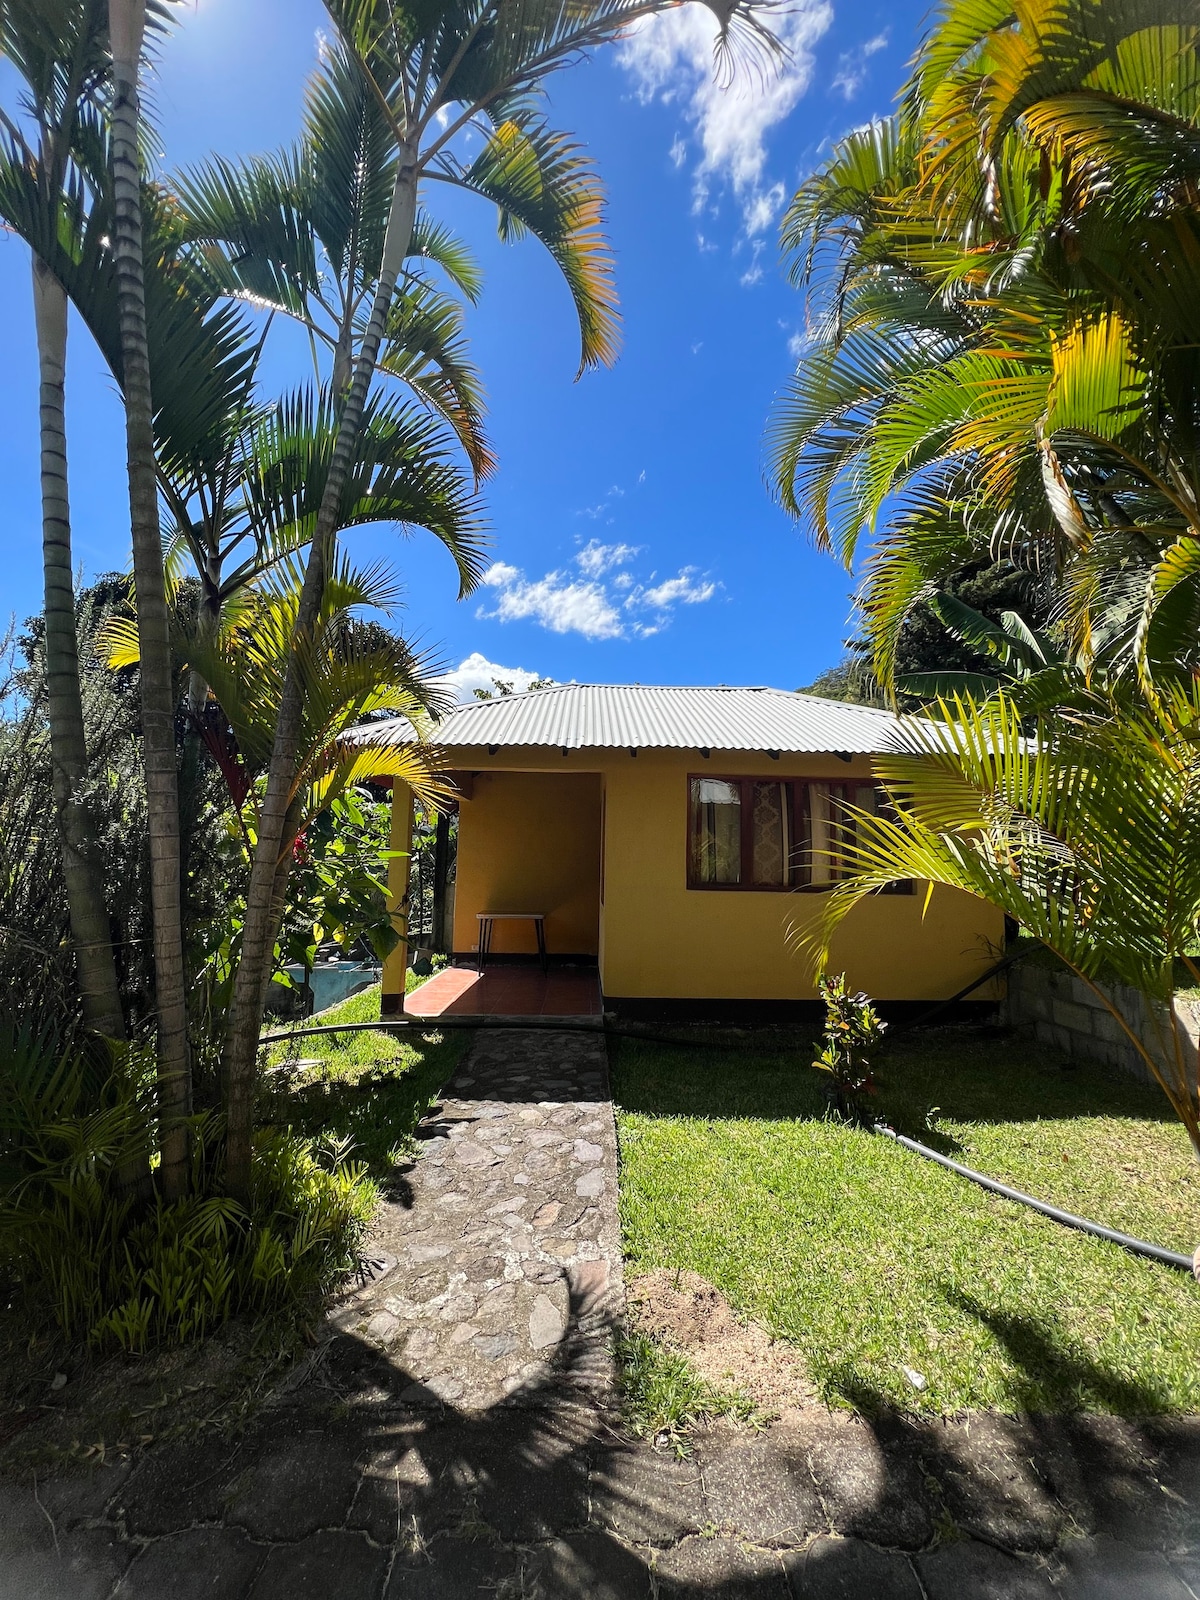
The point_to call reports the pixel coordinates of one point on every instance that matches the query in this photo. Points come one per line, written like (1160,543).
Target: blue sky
(633,537)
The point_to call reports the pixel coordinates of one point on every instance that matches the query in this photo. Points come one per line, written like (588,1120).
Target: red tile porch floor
(506,992)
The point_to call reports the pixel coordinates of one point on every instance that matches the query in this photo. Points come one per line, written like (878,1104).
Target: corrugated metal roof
(581,716)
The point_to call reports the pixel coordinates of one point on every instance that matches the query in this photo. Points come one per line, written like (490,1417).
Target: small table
(488,919)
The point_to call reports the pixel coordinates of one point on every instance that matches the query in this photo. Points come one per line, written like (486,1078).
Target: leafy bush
(853,1032)
(87,1238)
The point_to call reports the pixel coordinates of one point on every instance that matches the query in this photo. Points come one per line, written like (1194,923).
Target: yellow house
(678,839)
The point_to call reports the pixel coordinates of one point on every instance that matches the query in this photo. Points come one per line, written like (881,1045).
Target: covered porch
(507,991)
(525,876)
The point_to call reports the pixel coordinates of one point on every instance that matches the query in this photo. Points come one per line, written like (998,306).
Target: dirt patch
(688,1313)
(59,1405)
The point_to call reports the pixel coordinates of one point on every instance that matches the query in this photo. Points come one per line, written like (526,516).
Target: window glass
(771,846)
(716,831)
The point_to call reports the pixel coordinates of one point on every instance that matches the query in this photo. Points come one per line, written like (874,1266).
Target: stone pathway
(510,1236)
(452,1439)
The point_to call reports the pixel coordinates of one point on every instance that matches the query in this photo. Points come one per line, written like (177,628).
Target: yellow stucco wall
(530,841)
(396,966)
(664,940)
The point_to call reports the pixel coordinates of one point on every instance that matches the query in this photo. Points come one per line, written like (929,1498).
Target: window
(751,833)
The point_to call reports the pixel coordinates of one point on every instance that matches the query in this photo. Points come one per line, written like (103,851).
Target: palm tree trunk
(90,930)
(126,25)
(264,900)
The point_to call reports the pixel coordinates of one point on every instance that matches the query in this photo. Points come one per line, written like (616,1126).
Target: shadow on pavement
(358,1483)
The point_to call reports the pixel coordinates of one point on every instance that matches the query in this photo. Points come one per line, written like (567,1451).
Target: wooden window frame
(796,815)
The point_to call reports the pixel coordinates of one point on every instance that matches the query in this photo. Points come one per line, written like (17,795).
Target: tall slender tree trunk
(126,25)
(90,931)
(268,876)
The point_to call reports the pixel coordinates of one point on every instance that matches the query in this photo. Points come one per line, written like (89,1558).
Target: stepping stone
(546,1323)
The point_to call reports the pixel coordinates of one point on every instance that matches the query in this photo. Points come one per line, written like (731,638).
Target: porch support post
(441,873)
(395,968)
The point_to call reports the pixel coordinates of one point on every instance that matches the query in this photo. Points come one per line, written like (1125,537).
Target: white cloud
(670,57)
(681,590)
(607,602)
(477,672)
(754,272)
(598,510)
(595,559)
(558,602)
(851,71)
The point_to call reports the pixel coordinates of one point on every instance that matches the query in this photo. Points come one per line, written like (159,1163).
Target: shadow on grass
(962,1073)
(1046,1363)
(377,1109)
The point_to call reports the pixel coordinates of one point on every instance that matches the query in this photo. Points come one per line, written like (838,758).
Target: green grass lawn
(369,1087)
(870,1259)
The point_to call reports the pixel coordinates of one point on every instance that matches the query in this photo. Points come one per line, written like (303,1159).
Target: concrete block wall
(1057,1009)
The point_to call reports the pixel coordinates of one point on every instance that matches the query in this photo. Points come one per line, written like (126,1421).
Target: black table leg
(541,941)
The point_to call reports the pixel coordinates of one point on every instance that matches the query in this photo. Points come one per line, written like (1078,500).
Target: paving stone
(720,1569)
(871,1487)
(1115,1491)
(84,1495)
(321,1566)
(84,1565)
(457,1569)
(847,1569)
(179,1484)
(1103,1569)
(762,1489)
(645,1497)
(545,1323)
(201,1564)
(592,1185)
(382,1328)
(989,1483)
(494,1346)
(412,1487)
(965,1568)
(298,1485)
(592,1566)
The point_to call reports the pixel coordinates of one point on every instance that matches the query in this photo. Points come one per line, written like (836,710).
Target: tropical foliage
(1002,367)
(1002,286)
(183,805)
(1087,833)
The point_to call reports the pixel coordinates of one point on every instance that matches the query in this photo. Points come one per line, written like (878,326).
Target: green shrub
(853,1033)
(87,1238)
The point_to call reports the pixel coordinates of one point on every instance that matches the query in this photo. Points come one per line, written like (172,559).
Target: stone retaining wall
(1059,1010)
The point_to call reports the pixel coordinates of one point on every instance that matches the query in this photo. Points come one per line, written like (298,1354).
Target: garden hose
(1139,1247)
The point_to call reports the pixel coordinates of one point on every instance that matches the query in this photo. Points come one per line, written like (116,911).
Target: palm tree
(355,670)
(1087,832)
(1008,362)
(127,23)
(60,53)
(436,73)
(300,234)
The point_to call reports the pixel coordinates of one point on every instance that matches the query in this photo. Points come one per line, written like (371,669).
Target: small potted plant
(853,1032)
